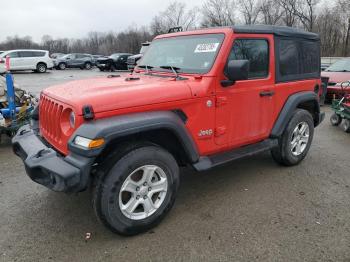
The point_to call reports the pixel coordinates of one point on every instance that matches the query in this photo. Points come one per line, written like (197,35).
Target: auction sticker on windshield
(206,48)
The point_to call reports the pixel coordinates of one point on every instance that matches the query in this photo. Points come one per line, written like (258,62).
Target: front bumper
(47,167)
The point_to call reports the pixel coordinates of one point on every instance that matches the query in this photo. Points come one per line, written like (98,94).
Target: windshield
(144,49)
(342,65)
(65,56)
(189,54)
(114,56)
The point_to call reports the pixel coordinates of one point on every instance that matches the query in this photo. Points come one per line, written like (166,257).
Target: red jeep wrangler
(199,98)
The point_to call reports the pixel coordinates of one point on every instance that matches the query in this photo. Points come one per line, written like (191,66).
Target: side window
(254,50)
(13,54)
(297,59)
(309,57)
(26,54)
(38,54)
(289,58)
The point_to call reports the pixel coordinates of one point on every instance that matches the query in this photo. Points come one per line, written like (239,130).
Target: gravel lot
(249,210)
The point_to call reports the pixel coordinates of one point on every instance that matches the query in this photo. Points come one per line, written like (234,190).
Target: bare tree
(305,11)
(175,14)
(271,12)
(343,9)
(218,13)
(288,6)
(250,9)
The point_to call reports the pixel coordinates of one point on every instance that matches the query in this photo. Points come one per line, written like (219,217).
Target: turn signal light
(88,143)
(96,143)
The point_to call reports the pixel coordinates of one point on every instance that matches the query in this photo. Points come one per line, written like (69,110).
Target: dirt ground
(248,210)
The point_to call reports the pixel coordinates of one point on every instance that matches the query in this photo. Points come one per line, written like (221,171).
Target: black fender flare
(124,125)
(289,107)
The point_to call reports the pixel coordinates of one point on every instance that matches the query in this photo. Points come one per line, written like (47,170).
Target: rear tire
(41,68)
(127,205)
(296,139)
(335,119)
(346,125)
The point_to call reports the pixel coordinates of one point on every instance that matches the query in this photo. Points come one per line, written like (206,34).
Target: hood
(103,58)
(336,77)
(135,56)
(106,94)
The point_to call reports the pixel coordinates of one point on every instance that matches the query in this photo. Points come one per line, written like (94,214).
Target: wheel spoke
(131,205)
(303,128)
(295,132)
(294,144)
(298,148)
(148,173)
(148,205)
(129,186)
(304,139)
(159,186)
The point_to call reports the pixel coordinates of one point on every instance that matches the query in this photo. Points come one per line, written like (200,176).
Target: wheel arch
(303,100)
(40,62)
(163,128)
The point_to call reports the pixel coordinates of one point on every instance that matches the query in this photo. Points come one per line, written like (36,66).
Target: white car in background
(25,59)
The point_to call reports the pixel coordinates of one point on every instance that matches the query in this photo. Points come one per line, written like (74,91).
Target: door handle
(267,93)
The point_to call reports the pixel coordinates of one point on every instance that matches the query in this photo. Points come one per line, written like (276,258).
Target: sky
(75,18)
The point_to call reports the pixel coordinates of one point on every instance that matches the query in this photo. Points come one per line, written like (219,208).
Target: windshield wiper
(172,68)
(147,67)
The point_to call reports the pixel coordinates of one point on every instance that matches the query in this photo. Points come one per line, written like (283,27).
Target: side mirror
(236,70)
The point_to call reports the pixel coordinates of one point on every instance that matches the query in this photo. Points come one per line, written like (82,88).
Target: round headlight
(72,119)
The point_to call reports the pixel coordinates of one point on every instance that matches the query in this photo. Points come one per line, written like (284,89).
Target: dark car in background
(75,60)
(113,62)
(132,60)
(95,57)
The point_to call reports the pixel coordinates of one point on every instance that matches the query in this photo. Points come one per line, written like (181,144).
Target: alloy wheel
(143,192)
(300,138)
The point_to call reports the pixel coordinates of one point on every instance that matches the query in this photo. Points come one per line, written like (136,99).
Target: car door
(122,62)
(244,110)
(26,59)
(15,61)
(80,59)
(70,60)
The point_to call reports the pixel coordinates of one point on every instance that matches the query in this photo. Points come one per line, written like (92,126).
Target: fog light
(88,143)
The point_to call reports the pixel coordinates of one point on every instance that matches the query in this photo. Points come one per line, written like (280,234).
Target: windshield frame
(209,69)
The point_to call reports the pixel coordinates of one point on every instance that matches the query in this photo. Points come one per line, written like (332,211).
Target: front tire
(87,66)
(134,192)
(62,66)
(296,139)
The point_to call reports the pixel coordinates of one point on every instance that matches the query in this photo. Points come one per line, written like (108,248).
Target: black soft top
(284,31)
